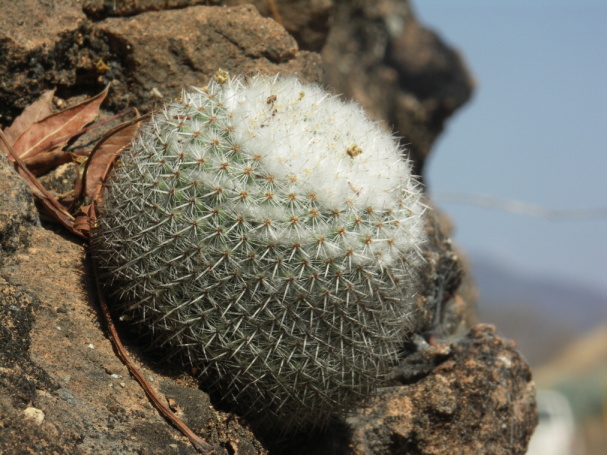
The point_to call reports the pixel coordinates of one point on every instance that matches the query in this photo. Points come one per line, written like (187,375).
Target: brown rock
(169,50)
(477,399)
(148,58)
(39,49)
(101,9)
(26,29)
(307,20)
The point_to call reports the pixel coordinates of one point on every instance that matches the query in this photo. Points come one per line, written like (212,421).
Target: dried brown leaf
(82,221)
(38,110)
(55,130)
(103,157)
(44,162)
(52,207)
(80,157)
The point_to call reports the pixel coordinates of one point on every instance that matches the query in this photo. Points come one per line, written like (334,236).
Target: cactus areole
(271,234)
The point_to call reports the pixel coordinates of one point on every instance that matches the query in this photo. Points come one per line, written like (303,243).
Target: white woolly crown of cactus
(271,233)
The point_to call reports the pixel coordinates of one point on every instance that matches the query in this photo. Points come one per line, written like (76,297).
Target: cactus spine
(271,233)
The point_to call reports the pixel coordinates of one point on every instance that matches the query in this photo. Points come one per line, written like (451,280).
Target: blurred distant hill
(579,372)
(541,314)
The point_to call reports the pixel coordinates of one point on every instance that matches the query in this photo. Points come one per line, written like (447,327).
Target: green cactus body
(271,233)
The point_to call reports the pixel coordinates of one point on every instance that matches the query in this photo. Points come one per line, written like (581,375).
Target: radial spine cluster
(271,233)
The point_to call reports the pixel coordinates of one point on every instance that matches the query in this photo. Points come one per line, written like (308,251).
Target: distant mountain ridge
(499,283)
(541,314)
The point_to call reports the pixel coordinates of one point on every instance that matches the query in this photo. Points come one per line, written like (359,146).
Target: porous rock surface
(62,388)
(17,210)
(147,58)
(465,405)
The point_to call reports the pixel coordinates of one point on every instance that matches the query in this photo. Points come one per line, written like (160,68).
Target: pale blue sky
(536,130)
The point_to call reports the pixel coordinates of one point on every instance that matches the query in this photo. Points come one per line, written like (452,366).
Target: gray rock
(17,210)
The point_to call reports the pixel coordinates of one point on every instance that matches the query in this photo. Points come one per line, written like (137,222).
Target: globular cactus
(271,233)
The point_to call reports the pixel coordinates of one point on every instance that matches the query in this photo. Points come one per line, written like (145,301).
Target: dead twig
(200,444)
(274,12)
